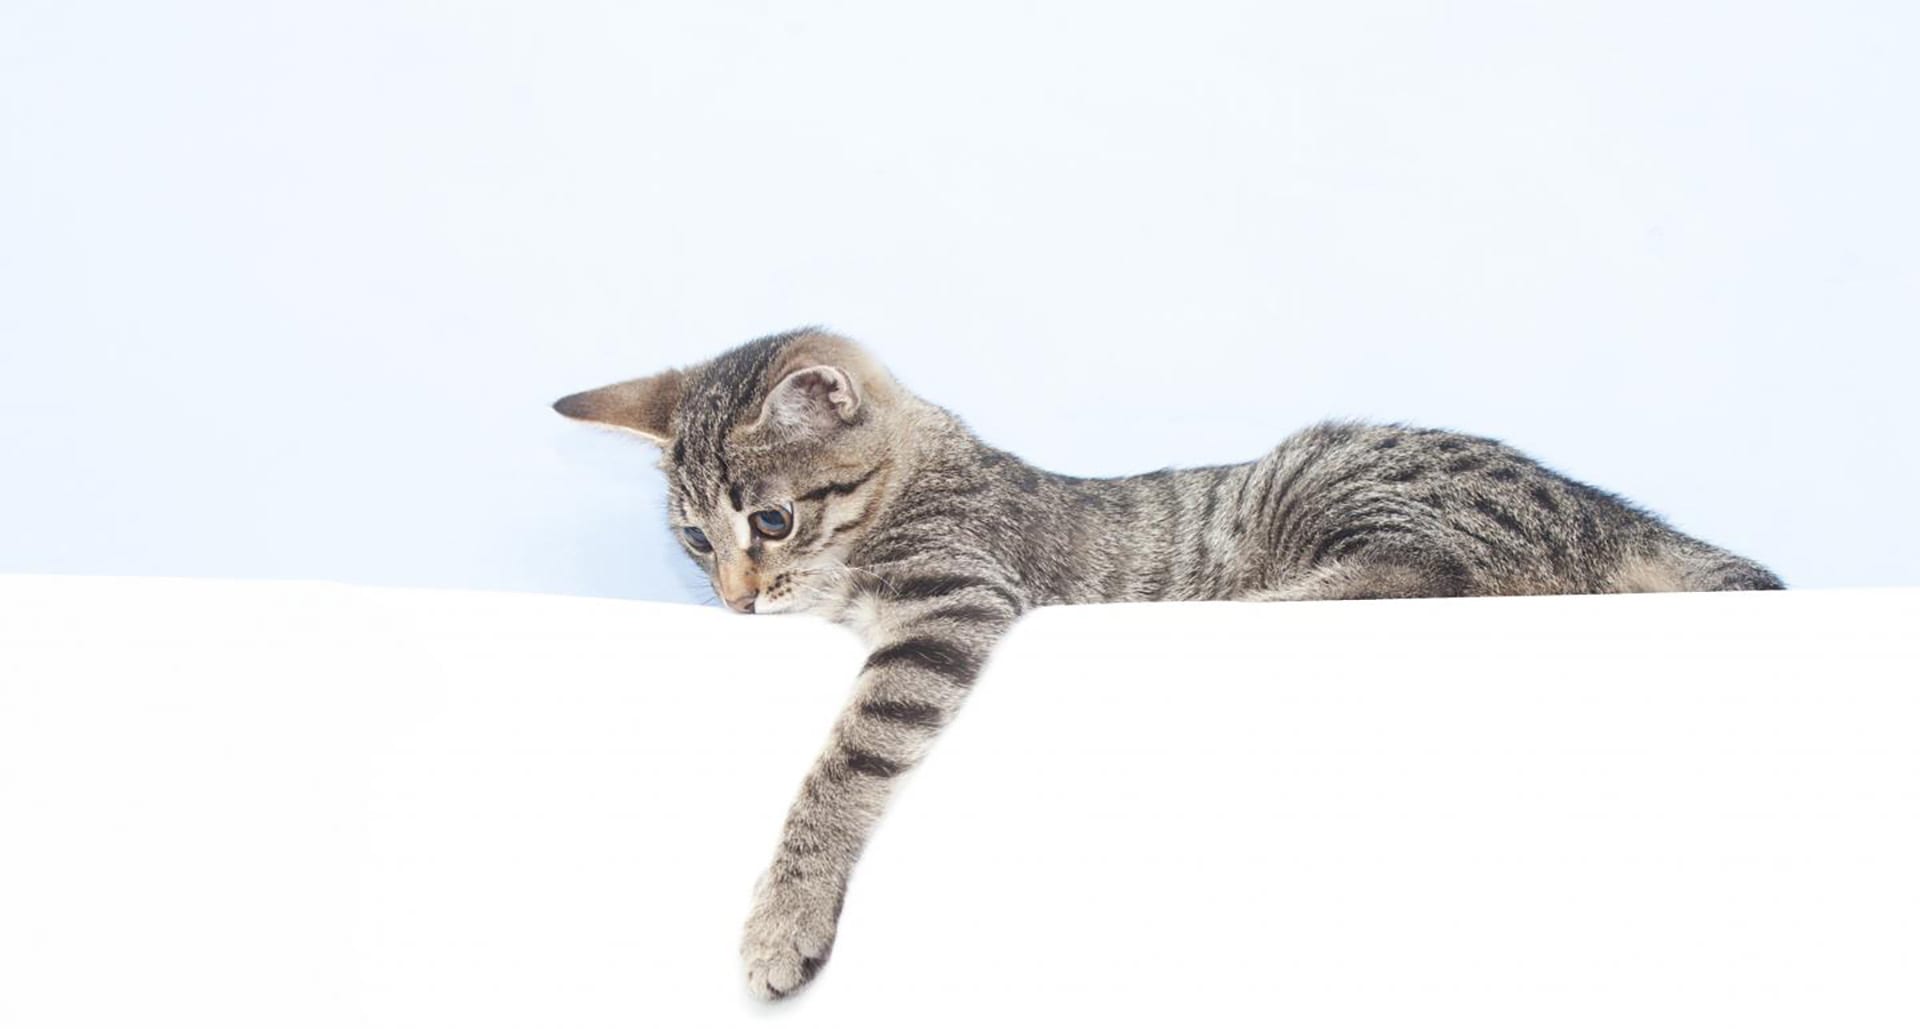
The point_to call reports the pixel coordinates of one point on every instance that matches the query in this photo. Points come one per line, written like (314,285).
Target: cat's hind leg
(1374,579)
(1692,568)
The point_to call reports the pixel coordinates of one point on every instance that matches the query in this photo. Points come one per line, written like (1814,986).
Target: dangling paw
(788,935)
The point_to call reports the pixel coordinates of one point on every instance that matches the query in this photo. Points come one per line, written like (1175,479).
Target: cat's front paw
(789,934)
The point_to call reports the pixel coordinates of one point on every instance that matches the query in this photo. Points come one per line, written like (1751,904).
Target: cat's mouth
(797,590)
(779,596)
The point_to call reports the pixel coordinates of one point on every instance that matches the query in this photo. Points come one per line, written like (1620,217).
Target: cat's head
(777,454)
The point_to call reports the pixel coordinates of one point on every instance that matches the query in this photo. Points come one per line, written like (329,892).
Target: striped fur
(929,543)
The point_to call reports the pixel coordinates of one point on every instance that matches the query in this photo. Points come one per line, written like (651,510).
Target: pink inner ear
(816,399)
(825,384)
(819,386)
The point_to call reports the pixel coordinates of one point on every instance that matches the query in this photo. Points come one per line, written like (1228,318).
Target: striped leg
(932,645)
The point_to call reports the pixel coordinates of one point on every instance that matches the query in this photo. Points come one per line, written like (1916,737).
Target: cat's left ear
(811,401)
(643,406)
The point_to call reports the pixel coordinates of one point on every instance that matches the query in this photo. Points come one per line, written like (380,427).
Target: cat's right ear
(643,406)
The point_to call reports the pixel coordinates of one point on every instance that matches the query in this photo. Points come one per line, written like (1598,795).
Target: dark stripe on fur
(868,763)
(973,613)
(852,524)
(1341,541)
(904,712)
(1500,515)
(839,489)
(859,519)
(934,655)
(931,587)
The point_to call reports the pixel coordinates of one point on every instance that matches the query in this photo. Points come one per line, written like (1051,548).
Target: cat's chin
(781,606)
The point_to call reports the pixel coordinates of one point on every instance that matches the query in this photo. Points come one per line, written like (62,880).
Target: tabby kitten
(802,477)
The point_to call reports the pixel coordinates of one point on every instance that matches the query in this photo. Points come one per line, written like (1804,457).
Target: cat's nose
(738,585)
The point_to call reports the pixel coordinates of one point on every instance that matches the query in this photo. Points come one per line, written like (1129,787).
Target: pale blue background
(285,289)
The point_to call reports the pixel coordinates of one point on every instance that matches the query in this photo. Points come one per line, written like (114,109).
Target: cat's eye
(773,523)
(697,540)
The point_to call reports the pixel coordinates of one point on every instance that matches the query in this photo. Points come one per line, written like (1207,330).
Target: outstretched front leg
(932,633)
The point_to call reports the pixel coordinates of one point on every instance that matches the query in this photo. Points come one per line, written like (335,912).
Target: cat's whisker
(802,585)
(857,570)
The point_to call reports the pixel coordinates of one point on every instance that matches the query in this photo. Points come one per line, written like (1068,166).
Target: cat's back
(1437,468)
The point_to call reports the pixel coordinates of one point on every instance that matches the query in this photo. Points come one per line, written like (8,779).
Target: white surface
(285,289)
(303,804)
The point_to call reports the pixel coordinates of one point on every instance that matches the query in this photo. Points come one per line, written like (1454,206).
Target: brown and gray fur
(929,543)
